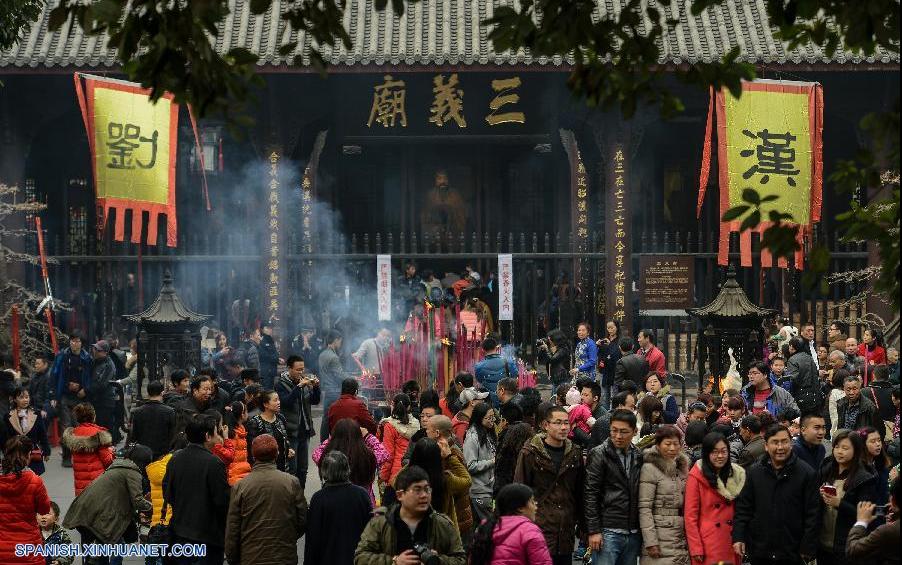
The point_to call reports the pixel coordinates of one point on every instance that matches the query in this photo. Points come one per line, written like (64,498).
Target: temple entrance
(451,187)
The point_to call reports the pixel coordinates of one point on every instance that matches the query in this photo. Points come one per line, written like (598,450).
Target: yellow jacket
(155,473)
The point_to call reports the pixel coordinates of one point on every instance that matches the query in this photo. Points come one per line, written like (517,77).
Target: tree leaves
(735,213)
(58,17)
(751,196)
(260,6)
(15,17)
(288,48)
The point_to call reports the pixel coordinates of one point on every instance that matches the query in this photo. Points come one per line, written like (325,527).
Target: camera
(427,555)
(542,342)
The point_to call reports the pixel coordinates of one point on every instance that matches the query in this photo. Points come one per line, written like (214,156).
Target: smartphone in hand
(828,489)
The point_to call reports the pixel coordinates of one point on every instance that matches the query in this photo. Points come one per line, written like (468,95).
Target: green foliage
(780,237)
(15,17)
(861,26)
(618,60)
(875,173)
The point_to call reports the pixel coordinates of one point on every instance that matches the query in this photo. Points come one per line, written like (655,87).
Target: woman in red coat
(396,431)
(239,467)
(22,497)
(713,484)
(872,352)
(91,446)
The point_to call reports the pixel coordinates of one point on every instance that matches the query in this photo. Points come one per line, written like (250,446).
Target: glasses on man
(620,432)
(419,491)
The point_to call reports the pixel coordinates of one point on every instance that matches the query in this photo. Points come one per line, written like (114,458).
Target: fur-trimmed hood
(86,438)
(670,467)
(662,394)
(734,484)
(407,430)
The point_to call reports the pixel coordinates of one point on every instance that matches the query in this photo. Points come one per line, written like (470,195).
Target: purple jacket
(519,541)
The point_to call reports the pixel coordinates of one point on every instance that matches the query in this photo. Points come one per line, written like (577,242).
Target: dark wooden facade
(370,186)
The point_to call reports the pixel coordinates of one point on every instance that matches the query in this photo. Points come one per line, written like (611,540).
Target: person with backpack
(510,535)
(493,368)
(802,371)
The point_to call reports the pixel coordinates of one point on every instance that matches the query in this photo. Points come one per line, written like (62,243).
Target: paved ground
(61,488)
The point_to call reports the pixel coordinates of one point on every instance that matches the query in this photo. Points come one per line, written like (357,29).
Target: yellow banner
(133,155)
(131,137)
(769,149)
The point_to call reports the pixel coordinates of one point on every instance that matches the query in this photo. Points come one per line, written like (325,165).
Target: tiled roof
(731,302)
(168,308)
(443,32)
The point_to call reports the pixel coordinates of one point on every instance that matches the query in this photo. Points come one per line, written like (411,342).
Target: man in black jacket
(153,423)
(612,493)
(809,445)
(601,431)
(197,492)
(777,518)
(590,395)
(101,393)
(39,385)
(630,367)
(880,391)
(298,392)
(802,371)
(856,410)
(269,356)
(180,383)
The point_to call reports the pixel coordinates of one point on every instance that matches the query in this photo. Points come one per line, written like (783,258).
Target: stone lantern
(168,336)
(729,321)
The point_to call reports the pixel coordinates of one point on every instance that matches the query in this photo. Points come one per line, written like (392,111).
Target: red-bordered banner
(771,140)
(133,146)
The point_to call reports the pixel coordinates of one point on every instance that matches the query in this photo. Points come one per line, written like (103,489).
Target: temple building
(424,143)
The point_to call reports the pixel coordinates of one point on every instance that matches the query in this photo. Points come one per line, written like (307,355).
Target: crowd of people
(612,468)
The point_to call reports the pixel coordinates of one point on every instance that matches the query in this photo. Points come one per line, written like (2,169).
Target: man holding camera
(410,532)
(298,392)
(881,545)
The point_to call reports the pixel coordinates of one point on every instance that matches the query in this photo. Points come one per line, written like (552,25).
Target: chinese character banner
(505,287)
(383,286)
(133,154)
(769,140)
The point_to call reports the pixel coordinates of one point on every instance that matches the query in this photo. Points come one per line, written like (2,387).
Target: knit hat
(572,397)
(141,455)
(470,394)
(265,448)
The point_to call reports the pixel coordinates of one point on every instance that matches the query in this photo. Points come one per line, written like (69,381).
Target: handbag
(36,455)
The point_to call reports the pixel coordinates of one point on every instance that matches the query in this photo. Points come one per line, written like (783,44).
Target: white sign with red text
(383,286)
(505,287)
